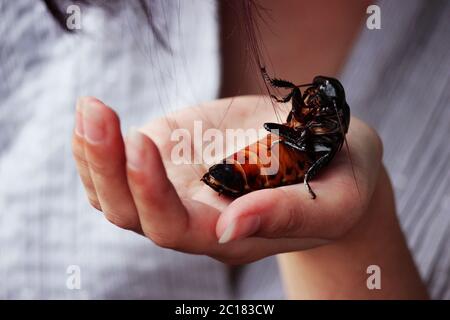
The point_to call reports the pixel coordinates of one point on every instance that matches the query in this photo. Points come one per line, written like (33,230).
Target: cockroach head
(225,179)
(333,90)
(331,87)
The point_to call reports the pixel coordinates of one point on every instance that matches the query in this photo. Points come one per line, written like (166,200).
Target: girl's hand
(138,188)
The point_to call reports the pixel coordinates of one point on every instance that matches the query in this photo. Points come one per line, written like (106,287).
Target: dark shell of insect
(313,133)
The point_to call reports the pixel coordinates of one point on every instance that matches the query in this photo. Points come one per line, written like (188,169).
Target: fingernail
(93,124)
(134,149)
(240,228)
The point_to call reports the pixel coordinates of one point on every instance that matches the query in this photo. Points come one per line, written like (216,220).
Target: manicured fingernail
(93,124)
(134,149)
(240,228)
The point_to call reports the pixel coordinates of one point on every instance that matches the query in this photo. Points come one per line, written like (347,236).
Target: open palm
(138,187)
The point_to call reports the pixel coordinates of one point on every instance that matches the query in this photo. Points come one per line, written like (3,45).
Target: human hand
(139,188)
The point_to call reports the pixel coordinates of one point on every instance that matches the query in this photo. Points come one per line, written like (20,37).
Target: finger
(105,157)
(163,217)
(80,159)
(289,211)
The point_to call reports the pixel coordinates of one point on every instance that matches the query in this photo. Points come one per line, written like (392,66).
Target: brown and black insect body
(313,133)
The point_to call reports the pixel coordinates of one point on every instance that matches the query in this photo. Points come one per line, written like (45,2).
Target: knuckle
(88,185)
(99,166)
(139,180)
(119,221)
(77,143)
(152,187)
(294,221)
(163,240)
(78,155)
(102,168)
(83,172)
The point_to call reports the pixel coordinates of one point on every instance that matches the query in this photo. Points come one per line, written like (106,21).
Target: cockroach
(313,133)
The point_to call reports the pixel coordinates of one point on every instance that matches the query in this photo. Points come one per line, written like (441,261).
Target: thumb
(262,214)
(286,212)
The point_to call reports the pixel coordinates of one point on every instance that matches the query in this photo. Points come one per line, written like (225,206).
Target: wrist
(339,270)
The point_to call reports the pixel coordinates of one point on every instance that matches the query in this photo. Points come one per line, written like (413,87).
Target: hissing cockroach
(313,133)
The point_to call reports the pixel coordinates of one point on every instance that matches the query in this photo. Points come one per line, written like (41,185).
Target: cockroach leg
(289,136)
(312,171)
(281,130)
